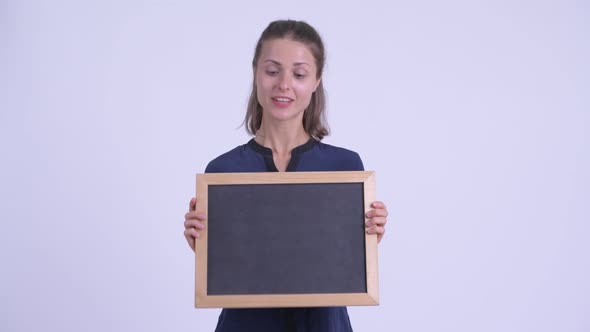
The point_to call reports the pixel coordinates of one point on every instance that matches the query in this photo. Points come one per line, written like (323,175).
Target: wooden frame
(203,300)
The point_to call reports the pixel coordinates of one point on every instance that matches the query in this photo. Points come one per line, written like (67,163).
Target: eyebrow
(279,64)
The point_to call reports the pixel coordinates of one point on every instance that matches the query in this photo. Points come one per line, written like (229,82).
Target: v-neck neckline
(295,154)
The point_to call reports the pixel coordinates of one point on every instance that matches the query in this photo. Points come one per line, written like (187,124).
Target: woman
(286,117)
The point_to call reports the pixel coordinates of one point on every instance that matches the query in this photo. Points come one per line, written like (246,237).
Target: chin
(282,114)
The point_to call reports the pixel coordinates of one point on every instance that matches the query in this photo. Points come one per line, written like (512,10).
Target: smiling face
(285,78)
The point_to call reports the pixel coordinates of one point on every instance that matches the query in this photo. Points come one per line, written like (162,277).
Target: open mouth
(281,101)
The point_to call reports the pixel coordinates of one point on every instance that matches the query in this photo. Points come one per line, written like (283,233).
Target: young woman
(286,117)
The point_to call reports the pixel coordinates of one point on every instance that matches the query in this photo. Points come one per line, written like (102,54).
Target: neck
(281,138)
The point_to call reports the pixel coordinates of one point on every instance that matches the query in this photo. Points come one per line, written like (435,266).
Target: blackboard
(285,240)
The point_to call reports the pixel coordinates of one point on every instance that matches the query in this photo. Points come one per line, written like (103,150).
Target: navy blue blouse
(309,157)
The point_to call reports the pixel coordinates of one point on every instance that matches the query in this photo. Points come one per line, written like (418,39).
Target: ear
(317,84)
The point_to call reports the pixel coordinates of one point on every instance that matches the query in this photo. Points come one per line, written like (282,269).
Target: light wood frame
(203,300)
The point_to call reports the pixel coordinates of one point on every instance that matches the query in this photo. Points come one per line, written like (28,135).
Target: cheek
(264,86)
(261,90)
(305,91)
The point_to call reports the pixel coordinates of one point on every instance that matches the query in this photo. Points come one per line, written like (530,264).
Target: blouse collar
(296,151)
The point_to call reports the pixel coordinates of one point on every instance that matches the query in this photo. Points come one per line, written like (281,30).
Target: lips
(281,101)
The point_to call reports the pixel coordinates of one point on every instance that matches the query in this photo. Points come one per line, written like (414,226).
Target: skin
(287,69)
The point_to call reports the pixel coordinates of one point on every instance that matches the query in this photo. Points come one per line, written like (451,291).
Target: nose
(284,82)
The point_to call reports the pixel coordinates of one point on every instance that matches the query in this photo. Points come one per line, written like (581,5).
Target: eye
(272,70)
(299,75)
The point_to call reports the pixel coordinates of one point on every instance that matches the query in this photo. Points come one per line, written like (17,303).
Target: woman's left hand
(377,218)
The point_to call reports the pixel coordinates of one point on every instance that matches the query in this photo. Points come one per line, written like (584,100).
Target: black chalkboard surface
(285,240)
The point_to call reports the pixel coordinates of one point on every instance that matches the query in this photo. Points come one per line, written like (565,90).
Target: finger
(191,223)
(195,215)
(377,213)
(190,235)
(378,205)
(192,205)
(380,221)
(376,230)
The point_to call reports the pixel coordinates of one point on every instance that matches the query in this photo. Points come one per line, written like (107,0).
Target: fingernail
(369,223)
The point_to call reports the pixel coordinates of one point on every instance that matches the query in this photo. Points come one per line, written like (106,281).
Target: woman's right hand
(193,223)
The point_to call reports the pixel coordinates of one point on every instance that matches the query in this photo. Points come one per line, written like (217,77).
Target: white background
(474,114)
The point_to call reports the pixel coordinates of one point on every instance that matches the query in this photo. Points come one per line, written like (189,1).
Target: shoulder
(227,161)
(336,150)
(337,158)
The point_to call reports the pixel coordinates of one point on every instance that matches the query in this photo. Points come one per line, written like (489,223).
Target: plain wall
(474,115)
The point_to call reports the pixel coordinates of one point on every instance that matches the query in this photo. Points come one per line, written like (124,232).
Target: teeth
(282,99)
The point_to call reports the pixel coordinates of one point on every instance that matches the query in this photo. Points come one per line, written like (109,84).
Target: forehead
(286,52)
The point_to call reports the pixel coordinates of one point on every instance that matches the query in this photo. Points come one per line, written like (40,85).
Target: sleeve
(212,167)
(220,164)
(357,163)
